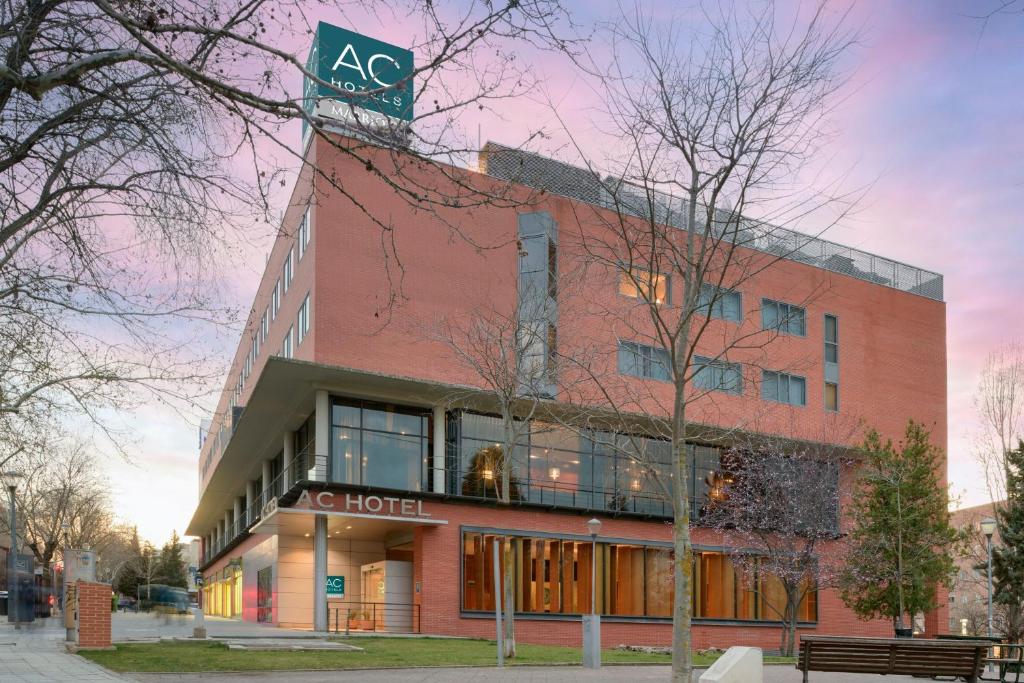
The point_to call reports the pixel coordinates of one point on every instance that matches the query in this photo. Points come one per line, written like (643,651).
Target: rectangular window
(555,575)
(289,267)
(778,386)
(783,318)
(275,300)
(303,237)
(286,345)
(717,375)
(264,327)
(831,339)
(255,346)
(831,396)
(718,302)
(379,446)
(640,360)
(640,283)
(303,321)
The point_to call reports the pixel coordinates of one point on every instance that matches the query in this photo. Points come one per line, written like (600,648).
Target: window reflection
(377,446)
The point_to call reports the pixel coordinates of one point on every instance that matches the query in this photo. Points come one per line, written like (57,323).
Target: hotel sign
(358,503)
(335,586)
(352,65)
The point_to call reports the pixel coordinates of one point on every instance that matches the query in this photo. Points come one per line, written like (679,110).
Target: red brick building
(344,477)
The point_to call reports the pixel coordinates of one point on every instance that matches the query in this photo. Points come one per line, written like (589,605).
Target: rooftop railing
(563,179)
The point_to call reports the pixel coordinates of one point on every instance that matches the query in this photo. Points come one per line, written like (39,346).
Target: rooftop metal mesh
(580,184)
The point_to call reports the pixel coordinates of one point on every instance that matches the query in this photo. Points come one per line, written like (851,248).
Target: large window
(304,228)
(717,375)
(783,318)
(556,465)
(778,386)
(289,269)
(640,360)
(640,283)
(378,446)
(717,302)
(553,575)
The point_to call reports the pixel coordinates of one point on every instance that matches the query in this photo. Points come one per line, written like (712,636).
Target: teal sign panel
(353,63)
(335,586)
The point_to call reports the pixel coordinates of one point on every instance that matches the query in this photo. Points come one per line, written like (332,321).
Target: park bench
(1008,661)
(908,656)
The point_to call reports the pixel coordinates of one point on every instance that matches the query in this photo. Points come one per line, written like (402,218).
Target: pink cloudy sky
(931,119)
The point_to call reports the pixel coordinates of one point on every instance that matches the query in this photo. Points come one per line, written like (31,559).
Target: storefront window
(554,576)
(374,446)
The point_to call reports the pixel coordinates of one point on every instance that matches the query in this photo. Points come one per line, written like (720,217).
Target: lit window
(831,396)
(639,283)
(778,386)
(718,302)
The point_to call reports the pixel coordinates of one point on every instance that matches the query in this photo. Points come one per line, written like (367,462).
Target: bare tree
(513,356)
(122,181)
(785,540)
(708,127)
(999,401)
(62,501)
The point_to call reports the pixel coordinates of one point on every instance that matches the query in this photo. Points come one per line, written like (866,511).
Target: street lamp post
(592,622)
(13,608)
(988,527)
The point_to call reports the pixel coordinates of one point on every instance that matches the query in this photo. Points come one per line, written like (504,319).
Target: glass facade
(555,465)
(379,446)
(556,576)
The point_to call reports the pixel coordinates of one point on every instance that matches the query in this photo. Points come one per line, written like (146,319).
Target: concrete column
(250,498)
(288,449)
(238,512)
(321,445)
(267,474)
(228,531)
(320,573)
(439,449)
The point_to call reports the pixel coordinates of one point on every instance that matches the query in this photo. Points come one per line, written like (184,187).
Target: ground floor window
(555,576)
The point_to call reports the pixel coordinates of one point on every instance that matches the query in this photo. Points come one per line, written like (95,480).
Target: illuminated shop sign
(354,63)
(358,503)
(335,586)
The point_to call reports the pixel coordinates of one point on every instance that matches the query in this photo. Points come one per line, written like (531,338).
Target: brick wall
(93,605)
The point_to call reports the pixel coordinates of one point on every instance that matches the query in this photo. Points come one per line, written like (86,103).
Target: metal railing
(570,181)
(345,616)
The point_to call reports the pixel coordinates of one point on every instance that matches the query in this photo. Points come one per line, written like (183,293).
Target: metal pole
(14,608)
(593,575)
(989,586)
(497,604)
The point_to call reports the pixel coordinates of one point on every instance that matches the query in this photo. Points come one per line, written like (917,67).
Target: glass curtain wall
(379,446)
(553,576)
(558,466)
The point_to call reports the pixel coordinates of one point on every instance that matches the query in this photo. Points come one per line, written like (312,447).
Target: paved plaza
(36,654)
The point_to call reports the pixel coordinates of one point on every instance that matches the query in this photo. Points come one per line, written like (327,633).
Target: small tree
(901,542)
(171,568)
(1008,557)
(783,534)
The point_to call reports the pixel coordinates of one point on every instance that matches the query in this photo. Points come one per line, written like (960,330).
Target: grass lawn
(378,653)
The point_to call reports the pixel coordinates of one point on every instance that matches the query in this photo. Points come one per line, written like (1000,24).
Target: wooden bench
(1008,660)
(907,656)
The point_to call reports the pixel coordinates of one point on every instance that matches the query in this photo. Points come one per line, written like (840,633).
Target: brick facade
(92,601)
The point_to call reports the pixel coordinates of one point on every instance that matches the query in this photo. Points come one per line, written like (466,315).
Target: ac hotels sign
(358,503)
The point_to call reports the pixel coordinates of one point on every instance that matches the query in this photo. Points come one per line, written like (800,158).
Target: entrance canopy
(350,525)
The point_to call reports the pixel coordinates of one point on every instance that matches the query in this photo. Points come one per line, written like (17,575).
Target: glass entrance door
(264,595)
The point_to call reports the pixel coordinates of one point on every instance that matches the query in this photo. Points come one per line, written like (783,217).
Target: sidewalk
(36,654)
